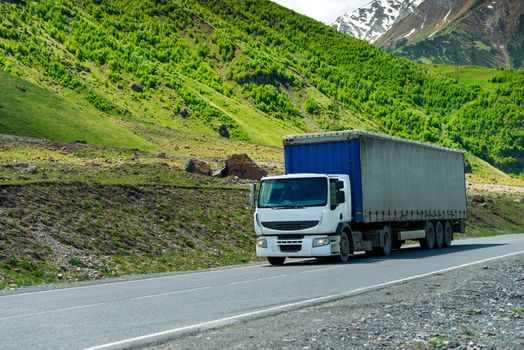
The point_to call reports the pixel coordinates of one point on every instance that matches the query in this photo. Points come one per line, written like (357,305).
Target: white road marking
(323,269)
(258,279)
(169,293)
(50,311)
(289,306)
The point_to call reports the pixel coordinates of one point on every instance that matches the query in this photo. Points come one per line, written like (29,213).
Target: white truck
(352,191)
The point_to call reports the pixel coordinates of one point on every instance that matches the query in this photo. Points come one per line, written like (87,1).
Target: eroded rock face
(242,166)
(197,166)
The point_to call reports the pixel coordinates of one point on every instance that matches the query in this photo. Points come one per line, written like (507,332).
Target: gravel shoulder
(478,307)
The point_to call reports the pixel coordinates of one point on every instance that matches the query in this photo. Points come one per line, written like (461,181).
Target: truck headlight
(319,242)
(262,243)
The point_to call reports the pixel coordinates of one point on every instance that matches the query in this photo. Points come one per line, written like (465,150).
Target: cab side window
(333,194)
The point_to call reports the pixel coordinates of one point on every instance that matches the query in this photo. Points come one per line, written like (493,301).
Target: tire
(439,235)
(344,248)
(429,241)
(385,250)
(276,260)
(448,234)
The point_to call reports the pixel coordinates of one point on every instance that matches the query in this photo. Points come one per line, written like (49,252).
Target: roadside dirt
(477,188)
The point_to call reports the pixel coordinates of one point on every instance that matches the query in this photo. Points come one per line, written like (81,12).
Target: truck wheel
(448,234)
(439,235)
(345,247)
(276,260)
(429,241)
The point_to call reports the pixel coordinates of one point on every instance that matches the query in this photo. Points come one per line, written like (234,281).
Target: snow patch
(446,17)
(410,32)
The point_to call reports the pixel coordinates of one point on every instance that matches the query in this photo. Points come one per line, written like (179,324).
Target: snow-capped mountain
(482,32)
(371,21)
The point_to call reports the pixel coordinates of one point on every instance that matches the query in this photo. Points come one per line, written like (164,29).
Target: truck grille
(289,225)
(290,248)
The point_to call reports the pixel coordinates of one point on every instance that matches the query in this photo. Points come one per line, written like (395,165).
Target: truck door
(336,207)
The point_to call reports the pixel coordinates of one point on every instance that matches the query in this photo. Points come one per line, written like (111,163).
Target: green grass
(483,172)
(470,75)
(260,128)
(498,214)
(29,110)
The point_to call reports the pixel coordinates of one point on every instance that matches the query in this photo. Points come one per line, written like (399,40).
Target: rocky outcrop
(242,166)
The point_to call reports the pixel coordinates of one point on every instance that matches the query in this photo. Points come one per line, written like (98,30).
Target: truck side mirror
(340,185)
(252,194)
(341,198)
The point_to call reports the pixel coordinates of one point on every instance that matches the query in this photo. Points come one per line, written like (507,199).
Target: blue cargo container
(392,179)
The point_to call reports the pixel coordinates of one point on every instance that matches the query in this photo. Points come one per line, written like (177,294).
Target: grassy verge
(53,232)
(494,214)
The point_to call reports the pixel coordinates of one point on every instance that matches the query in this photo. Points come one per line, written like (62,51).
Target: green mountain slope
(256,68)
(27,109)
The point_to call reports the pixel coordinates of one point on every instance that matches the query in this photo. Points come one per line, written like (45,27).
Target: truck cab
(303,215)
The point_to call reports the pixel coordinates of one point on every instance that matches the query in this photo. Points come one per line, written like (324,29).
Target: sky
(325,11)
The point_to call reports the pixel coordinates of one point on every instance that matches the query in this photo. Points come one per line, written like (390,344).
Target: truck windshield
(284,193)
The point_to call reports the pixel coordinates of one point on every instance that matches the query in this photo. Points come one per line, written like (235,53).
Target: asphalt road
(121,314)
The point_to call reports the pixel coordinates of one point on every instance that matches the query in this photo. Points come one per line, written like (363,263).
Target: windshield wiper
(291,207)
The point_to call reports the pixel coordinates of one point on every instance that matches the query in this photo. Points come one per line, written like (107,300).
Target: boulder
(223,131)
(31,169)
(136,87)
(242,166)
(197,166)
(184,113)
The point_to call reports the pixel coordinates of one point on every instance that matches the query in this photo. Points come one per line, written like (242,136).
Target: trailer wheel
(345,247)
(385,250)
(439,235)
(429,241)
(448,234)
(276,260)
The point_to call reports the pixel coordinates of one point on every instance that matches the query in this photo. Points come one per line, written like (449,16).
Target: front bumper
(298,247)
